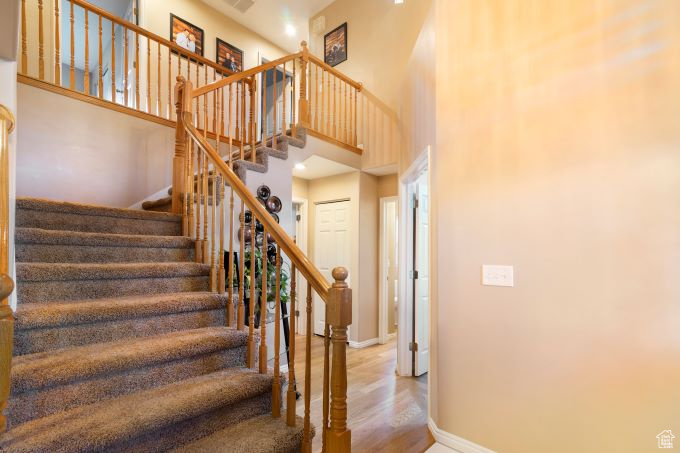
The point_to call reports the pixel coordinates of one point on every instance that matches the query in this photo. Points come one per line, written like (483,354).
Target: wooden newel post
(339,317)
(303,110)
(182,106)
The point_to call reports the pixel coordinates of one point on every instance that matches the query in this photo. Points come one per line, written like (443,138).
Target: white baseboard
(363,344)
(454,442)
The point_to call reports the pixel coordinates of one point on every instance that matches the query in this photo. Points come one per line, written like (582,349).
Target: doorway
(414,289)
(388,291)
(332,247)
(276,88)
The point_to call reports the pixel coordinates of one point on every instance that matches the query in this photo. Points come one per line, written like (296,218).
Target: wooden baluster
(264,108)
(241,315)
(213,229)
(229,284)
(251,306)
(335,109)
(148,75)
(326,346)
(284,93)
(169,110)
(263,304)
(126,69)
(158,79)
(113,62)
(206,194)
(198,254)
(86,72)
(215,118)
(72,74)
(189,189)
(221,275)
(137,70)
(185,192)
(182,104)
(328,100)
(339,316)
(41,42)
(276,390)
(100,84)
(275,110)
(293,122)
(304,103)
(346,115)
(252,128)
(316,96)
(242,116)
(291,397)
(307,427)
(57,44)
(24,45)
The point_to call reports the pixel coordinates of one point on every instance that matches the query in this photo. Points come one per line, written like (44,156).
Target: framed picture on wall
(335,45)
(228,56)
(186,35)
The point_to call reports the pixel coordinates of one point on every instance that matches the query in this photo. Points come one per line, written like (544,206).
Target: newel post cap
(339,312)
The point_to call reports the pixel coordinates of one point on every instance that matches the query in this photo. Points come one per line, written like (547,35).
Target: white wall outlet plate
(495,275)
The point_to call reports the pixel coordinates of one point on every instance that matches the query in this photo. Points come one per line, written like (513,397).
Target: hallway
(387,413)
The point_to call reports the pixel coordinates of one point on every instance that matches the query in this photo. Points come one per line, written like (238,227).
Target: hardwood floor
(387,413)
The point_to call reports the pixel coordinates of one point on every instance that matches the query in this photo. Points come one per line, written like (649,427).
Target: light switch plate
(495,275)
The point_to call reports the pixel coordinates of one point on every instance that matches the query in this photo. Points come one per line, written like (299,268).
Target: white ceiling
(270,17)
(319,167)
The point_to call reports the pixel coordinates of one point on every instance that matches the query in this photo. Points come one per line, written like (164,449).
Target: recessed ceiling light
(290,30)
(300,166)
(398,2)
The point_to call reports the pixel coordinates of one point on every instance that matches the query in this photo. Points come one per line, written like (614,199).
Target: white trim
(452,441)
(301,321)
(362,344)
(383,303)
(391,335)
(421,163)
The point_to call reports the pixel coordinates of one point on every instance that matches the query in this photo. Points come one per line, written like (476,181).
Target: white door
(332,246)
(422,282)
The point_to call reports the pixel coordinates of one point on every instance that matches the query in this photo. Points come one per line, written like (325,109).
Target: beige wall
(381,36)
(155,17)
(300,188)
(557,149)
(86,153)
(388,186)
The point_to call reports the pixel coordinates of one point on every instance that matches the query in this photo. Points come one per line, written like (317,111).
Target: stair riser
(29,341)
(48,253)
(97,224)
(42,291)
(39,403)
(195,428)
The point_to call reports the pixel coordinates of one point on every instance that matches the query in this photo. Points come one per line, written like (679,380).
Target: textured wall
(558,152)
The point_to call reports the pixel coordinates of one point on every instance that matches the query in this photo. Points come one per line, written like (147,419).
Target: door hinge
(414,202)
(413,346)
(297,313)
(297,217)
(413,275)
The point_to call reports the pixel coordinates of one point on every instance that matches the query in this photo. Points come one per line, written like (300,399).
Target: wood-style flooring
(387,413)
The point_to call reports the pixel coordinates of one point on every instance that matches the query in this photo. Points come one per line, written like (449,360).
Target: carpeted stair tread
(46,205)
(36,272)
(101,426)
(83,238)
(51,368)
(42,315)
(263,434)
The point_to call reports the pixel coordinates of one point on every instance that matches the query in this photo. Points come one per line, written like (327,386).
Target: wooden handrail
(302,263)
(137,29)
(247,74)
(319,62)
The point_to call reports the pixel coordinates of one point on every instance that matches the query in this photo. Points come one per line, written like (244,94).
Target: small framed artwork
(335,45)
(228,56)
(186,35)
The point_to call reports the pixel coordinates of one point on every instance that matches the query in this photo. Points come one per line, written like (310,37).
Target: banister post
(303,110)
(7,122)
(182,106)
(339,316)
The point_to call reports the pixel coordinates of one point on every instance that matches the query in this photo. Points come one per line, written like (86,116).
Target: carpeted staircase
(119,346)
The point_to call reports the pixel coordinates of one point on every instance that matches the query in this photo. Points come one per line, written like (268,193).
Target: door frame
(301,290)
(383,303)
(405,312)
